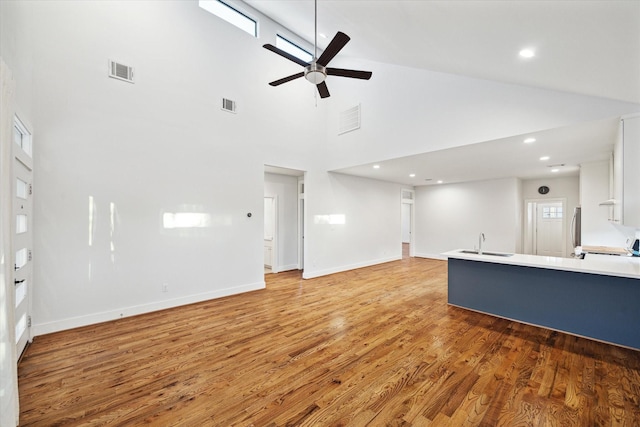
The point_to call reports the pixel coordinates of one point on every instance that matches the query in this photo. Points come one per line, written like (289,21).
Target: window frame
(295,47)
(239,13)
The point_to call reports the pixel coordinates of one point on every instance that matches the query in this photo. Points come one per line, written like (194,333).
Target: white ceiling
(588,47)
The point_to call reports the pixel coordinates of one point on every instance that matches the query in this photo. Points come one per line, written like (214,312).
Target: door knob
(17,282)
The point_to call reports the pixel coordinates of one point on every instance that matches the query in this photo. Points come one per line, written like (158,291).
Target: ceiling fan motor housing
(315,73)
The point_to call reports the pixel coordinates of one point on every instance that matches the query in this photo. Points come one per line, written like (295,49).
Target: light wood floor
(377,346)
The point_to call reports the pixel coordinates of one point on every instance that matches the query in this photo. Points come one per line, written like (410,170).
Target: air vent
(120,71)
(228,105)
(349,120)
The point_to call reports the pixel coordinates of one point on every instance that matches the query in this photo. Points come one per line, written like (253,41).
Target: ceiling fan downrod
(314,72)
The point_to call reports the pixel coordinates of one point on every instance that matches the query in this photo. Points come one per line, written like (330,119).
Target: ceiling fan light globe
(315,73)
(315,77)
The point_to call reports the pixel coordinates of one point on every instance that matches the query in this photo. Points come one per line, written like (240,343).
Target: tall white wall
(112,158)
(451,216)
(285,188)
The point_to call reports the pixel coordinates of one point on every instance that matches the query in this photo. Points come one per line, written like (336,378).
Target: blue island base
(600,307)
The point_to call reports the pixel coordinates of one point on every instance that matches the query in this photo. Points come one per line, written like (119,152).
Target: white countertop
(609,265)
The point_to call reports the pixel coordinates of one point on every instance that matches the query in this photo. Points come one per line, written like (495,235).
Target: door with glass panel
(22,233)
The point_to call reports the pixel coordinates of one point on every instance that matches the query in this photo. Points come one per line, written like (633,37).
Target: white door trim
(301,223)
(274,238)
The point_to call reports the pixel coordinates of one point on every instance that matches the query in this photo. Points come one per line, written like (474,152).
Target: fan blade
(354,74)
(284,54)
(334,47)
(323,90)
(286,79)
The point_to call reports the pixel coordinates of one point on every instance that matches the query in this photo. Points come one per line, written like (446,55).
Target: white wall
(559,188)
(285,188)
(371,232)
(597,229)
(111,158)
(451,216)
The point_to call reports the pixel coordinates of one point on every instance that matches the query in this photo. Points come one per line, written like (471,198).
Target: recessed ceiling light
(376,166)
(412,175)
(439,181)
(529,140)
(323,35)
(555,170)
(527,53)
(543,158)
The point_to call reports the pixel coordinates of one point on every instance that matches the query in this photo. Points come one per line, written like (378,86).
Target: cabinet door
(618,177)
(631,172)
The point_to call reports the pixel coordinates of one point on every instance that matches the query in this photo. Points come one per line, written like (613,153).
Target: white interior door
(550,219)
(406,223)
(22,234)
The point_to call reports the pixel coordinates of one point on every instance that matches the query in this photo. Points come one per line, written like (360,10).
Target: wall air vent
(120,71)
(228,105)
(349,120)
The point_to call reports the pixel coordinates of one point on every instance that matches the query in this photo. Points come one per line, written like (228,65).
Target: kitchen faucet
(480,240)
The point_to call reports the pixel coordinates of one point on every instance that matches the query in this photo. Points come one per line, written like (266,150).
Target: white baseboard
(287,268)
(318,273)
(91,319)
(432,256)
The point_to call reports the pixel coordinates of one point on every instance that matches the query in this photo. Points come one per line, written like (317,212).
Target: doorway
(407,221)
(545,228)
(283,219)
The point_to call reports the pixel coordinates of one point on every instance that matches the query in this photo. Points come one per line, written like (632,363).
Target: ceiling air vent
(120,71)
(349,120)
(228,105)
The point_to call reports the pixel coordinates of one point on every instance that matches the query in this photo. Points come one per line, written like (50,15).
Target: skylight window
(231,15)
(293,49)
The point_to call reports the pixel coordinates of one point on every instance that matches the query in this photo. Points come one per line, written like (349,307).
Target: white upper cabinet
(631,171)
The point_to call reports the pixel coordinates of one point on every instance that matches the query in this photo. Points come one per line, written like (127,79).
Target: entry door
(22,231)
(549,230)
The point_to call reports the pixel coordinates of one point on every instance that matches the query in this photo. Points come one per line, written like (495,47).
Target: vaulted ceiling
(587,47)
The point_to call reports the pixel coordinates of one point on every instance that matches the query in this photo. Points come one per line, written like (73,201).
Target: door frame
(529,238)
(301,223)
(26,160)
(274,238)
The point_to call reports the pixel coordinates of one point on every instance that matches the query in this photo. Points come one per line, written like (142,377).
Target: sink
(467,251)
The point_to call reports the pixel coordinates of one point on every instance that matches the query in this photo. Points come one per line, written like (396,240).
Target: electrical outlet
(165,287)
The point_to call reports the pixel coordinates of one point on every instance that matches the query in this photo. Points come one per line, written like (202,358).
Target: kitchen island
(597,297)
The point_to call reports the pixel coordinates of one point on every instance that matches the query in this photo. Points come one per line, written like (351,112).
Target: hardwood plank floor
(376,346)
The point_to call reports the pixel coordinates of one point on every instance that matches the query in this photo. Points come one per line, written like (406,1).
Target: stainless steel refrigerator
(576,225)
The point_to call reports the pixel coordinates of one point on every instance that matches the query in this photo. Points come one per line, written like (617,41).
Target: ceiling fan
(317,70)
